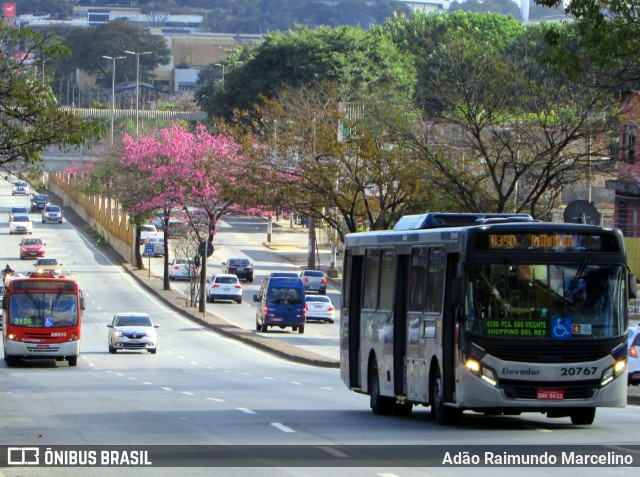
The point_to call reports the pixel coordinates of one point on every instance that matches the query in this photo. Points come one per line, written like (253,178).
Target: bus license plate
(550,394)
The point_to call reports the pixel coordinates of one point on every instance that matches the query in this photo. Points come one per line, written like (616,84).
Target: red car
(32,248)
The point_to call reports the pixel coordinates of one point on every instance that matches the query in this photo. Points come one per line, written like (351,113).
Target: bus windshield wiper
(576,278)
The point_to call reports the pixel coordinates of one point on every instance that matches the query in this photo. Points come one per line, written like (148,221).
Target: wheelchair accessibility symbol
(48,322)
(561,328)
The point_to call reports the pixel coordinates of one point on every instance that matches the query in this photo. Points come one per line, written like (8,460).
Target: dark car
(281,303)
(242,267)
(39,202)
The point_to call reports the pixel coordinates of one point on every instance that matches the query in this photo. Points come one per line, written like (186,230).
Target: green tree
(503,7)
(90,44)
(422,35)
(601,47)
(30,119)
(355,59)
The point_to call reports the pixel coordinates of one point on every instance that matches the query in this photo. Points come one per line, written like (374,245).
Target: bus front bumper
(41,351)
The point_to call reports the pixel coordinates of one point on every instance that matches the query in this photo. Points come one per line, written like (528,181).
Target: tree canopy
(30,119)
(90,44)
(353,58)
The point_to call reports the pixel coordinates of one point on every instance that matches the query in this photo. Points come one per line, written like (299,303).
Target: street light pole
(113,88)
(137,54)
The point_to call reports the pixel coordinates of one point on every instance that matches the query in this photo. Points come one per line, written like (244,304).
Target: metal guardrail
(131,113)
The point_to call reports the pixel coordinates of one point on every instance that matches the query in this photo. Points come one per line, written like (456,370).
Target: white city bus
(486,312)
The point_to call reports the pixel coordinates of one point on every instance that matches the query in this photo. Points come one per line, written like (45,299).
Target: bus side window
(435,290)
(387,280)
(371,280)
(418,279)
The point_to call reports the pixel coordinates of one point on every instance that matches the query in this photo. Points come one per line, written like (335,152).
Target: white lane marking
(165,388)
(333,452)
(295,382)
(133,379)
(326,388)
(194,363)
(119,374)
(282,427)
(247,374)
(245,410)
(214,399)
(269,377)
(187,393)
(146,382)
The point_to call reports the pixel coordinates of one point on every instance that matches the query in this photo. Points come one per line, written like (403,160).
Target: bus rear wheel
(443,414)
(583,416)
(380,405)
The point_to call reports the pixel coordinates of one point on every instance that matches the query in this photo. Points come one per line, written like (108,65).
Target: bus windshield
(541,301)
(43,310)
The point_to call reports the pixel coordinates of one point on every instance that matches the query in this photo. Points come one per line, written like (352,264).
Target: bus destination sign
(543,242)
(44,285)
(531,241)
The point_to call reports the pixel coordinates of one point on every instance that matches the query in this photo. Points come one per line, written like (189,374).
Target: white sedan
(224,287)
(132,331)
(319,307)
(21,224)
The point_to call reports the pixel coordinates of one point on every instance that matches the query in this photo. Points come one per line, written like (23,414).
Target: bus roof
(433,220)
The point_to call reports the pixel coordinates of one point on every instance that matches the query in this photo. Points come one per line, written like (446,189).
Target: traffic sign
(148,250)
(205,246)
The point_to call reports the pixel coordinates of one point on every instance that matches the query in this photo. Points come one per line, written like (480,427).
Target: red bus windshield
(43,310)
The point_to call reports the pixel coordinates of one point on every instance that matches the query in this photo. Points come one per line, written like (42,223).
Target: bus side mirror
(81,301)
(633,286)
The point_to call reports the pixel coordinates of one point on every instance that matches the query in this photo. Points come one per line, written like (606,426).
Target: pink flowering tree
(206,175)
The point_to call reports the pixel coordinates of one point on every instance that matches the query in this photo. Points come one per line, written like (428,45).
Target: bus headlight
(610,373)
(483,372)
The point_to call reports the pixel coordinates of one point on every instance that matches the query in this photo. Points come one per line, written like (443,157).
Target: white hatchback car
(132,331)
(633,355)
(224,287)
(319,307)
(182,269)
(21,224)
(20,188)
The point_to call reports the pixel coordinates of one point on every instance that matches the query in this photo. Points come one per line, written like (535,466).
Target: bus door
(352,293)
(449,323)
(400,326)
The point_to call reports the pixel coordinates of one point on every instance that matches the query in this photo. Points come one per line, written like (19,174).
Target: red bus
(41,319)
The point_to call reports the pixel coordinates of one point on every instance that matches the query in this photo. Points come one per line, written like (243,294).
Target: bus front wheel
(583,416)
(73,360)
(443,414)
(380,405)
(11,361)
